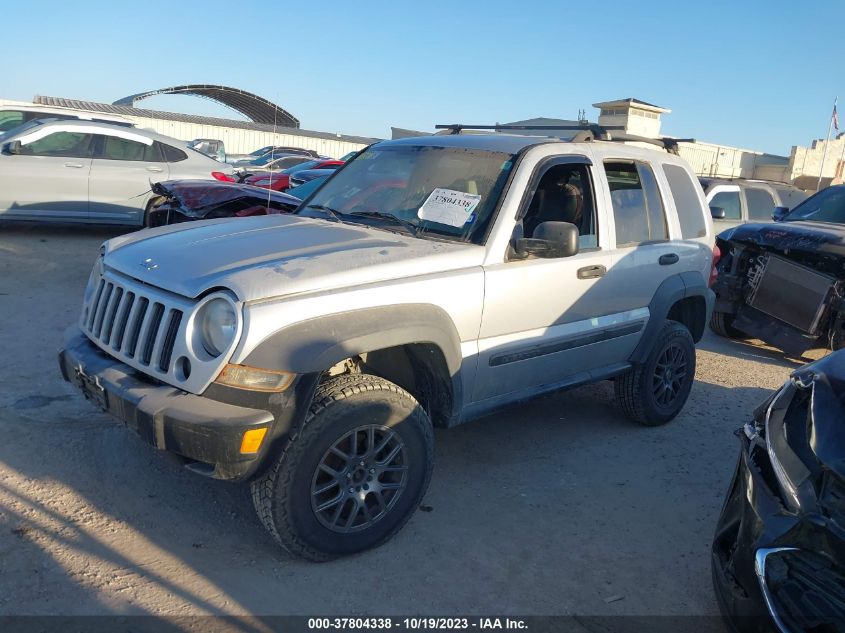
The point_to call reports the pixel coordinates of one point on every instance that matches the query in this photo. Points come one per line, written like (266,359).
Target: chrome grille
(131,325)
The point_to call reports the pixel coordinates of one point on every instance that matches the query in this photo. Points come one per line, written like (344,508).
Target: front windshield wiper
(413,228)
(335,215)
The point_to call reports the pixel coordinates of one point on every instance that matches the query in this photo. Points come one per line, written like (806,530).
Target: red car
(280,181)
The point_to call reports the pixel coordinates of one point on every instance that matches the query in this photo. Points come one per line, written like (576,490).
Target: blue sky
(760,75)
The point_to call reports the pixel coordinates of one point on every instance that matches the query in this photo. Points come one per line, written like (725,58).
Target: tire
(373,413)
(147,223)
(722,324)
(638,391)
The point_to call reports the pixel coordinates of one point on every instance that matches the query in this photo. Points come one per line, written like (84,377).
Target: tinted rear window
(172,154)
(687,202)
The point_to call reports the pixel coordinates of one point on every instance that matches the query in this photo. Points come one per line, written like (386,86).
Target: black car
(784,281)
(779,551)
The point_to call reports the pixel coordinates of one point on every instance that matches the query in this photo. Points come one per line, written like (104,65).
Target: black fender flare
(672,290)
(315,345)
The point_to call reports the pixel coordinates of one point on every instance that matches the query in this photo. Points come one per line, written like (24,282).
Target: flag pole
(827,142)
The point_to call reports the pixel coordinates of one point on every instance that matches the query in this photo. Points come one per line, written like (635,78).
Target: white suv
(429,281)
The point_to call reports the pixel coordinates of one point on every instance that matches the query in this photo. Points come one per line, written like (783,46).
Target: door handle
(668,259)
(591,272)
(151,168)
(75,165)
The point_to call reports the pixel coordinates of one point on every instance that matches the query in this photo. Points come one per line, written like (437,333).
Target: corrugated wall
(240,141)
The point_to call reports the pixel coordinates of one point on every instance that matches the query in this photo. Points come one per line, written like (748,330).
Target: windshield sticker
(450,207)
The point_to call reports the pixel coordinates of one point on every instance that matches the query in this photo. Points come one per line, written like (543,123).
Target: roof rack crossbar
(588,132)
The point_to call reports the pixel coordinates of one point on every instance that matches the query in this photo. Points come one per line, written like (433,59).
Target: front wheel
(722,324)
(353,475)
(150,219)
(654,392)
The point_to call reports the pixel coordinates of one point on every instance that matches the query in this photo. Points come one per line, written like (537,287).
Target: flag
(835,117)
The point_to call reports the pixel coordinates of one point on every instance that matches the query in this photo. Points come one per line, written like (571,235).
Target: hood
(812,237)
(826,378)
(269,256)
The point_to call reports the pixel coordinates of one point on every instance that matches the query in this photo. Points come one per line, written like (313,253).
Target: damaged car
(185,200)
(778,555)
(784,282)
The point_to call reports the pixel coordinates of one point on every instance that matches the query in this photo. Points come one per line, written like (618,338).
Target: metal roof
(251,106)
(630,101)
(93,106)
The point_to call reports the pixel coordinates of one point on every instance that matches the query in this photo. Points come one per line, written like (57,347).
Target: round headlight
(218,326)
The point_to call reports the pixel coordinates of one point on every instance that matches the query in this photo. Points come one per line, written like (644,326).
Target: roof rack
(586,133)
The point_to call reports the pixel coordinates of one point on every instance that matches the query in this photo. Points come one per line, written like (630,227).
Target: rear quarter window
(172,154)
(687,202)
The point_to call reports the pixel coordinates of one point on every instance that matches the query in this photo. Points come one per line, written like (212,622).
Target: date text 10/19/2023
(416,623)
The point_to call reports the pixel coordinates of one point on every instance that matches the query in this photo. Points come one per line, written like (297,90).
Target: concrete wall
(805,163)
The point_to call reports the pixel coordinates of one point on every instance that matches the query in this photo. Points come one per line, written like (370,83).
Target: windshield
(306,189)
(450,192)
(827,205)
(265,159)
(310,164)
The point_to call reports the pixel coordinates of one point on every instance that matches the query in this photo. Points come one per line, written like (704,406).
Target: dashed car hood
(271,256)
(812,237)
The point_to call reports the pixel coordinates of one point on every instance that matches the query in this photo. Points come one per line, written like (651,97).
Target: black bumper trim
(195,427)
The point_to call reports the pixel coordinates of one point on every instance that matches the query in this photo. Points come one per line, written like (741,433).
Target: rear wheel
(654,392)
(722,324)
(354,474)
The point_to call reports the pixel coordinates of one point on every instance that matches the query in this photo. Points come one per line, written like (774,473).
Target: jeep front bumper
(204,431)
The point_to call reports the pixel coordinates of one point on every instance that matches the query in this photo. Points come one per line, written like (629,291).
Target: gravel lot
(550,508)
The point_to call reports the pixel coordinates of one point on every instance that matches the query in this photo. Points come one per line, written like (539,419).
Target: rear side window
(687,202)
(729,201)
(654,204)
(760,204)
(116,148)
(637,207)
(171,154)
(790,197)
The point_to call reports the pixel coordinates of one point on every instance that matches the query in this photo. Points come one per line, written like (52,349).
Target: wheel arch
(684,298)
(415,346)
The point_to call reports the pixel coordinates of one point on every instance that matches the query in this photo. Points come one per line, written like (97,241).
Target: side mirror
(12,147)
(550,240)
(717,213)
(779,213)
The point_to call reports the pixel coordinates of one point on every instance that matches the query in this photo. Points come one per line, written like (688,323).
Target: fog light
(252,440)
(253,378)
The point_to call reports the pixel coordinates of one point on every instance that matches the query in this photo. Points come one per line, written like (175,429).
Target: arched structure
(252,106)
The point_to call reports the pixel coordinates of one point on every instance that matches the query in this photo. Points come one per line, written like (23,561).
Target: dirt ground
(560,506)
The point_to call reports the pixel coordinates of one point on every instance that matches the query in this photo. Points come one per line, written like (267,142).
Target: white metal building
(240,137)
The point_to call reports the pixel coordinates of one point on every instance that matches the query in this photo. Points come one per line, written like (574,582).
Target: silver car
(83,171)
